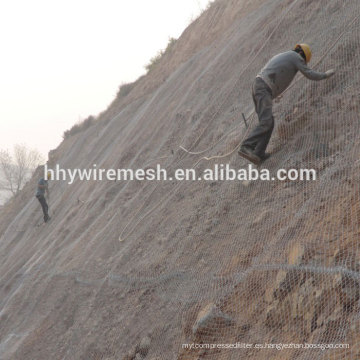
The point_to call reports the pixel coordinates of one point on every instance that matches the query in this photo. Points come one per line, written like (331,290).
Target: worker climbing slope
(271,82)
(43,188)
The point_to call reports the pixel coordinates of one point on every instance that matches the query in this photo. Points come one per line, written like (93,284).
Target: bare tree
(17,169)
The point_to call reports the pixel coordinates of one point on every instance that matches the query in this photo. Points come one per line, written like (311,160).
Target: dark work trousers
(260,136)
(44,206)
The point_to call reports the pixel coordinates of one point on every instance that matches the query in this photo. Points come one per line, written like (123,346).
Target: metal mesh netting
(291,269)
(146,268)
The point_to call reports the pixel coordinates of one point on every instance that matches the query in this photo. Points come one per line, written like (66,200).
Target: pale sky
(62,61)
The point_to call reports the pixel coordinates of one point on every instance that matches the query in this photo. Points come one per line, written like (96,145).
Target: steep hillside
(135,269)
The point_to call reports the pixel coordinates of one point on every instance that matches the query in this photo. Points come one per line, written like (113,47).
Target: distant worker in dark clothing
(40,195)
(272,80)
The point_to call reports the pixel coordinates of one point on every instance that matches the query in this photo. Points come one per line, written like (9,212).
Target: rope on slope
(201,152)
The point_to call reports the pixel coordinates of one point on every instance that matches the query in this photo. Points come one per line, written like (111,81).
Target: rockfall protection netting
(291,269)
(227,262)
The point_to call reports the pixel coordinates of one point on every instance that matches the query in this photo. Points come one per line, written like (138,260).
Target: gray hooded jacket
(279,72)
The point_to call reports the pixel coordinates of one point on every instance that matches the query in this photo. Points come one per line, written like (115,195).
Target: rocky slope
(134,269)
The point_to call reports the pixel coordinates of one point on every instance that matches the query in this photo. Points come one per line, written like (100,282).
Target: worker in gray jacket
(43,188)
(272,80)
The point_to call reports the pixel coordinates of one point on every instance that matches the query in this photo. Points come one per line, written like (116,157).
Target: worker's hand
(330,73)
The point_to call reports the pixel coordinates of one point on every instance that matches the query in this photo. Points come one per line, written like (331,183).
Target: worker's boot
(249,154)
